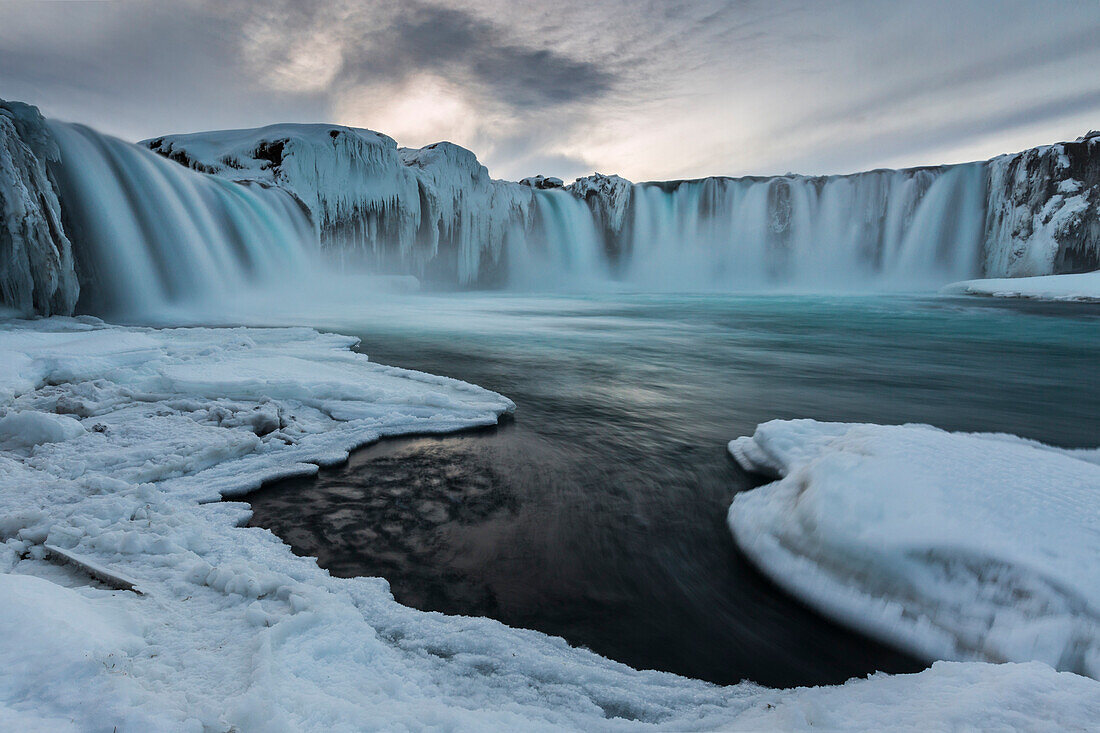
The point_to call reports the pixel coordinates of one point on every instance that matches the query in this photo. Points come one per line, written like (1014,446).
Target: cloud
(646,88)
(457,45)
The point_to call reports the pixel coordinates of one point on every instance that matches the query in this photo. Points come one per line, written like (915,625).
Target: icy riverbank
(115,446)
(1083,287)
(950,545)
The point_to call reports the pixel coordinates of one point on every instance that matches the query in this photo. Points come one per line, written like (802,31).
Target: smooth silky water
(598,512)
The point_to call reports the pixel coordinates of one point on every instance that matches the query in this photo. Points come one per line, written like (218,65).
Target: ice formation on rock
(542,182)
(1044,210)
(428,211)
(36,260)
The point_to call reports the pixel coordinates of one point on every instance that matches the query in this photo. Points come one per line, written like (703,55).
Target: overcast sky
(649,90)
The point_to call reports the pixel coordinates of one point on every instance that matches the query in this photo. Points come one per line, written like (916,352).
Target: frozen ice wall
(36,262)
(1044,210)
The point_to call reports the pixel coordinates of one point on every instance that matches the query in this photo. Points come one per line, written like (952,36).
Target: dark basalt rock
(542,182)
(271,151)
(1056,188)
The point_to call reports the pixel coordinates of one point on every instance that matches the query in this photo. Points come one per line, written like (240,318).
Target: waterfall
(149,233)
(255,207)
(563,249)
(882,229)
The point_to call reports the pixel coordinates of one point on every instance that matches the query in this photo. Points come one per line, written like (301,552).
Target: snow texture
(950,545)
(36,259)
(1083,286)
(609,195)
(232,631)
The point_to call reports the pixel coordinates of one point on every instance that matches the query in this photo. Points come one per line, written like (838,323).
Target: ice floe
(953,546)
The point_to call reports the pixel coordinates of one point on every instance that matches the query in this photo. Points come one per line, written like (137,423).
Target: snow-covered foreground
(953,546)
(1083,286)
(115,446)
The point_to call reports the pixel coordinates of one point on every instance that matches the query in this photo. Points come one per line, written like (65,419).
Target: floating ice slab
(234,632)
(1084,286)
(953,546)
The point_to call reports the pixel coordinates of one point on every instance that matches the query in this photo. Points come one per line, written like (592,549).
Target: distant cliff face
(36,259)
(1044,210)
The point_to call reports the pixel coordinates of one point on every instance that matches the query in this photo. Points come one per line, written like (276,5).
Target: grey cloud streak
(647,88)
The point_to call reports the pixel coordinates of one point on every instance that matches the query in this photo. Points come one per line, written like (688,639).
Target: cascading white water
(563,248)
(149,232)
(895,229)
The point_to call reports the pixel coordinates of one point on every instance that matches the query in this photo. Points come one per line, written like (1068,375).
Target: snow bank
(952,546)
(951,696)
(1083,286)
(36,260)
(232,631)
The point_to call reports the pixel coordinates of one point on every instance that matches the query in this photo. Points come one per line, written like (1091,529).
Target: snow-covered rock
(609,199)
(1084,286)
(541,182)
(350,179)
(1044,210)
(952,546)
(36,259)
(470,217)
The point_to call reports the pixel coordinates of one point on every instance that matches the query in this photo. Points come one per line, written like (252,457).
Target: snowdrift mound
(950,545)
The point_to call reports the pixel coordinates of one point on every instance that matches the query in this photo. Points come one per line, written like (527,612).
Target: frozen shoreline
(116,446)
(1082,287)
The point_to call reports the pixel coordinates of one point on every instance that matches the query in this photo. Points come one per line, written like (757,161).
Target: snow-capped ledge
(950,545)
(1081,287)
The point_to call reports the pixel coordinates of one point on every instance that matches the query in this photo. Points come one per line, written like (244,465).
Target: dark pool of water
(598,513)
